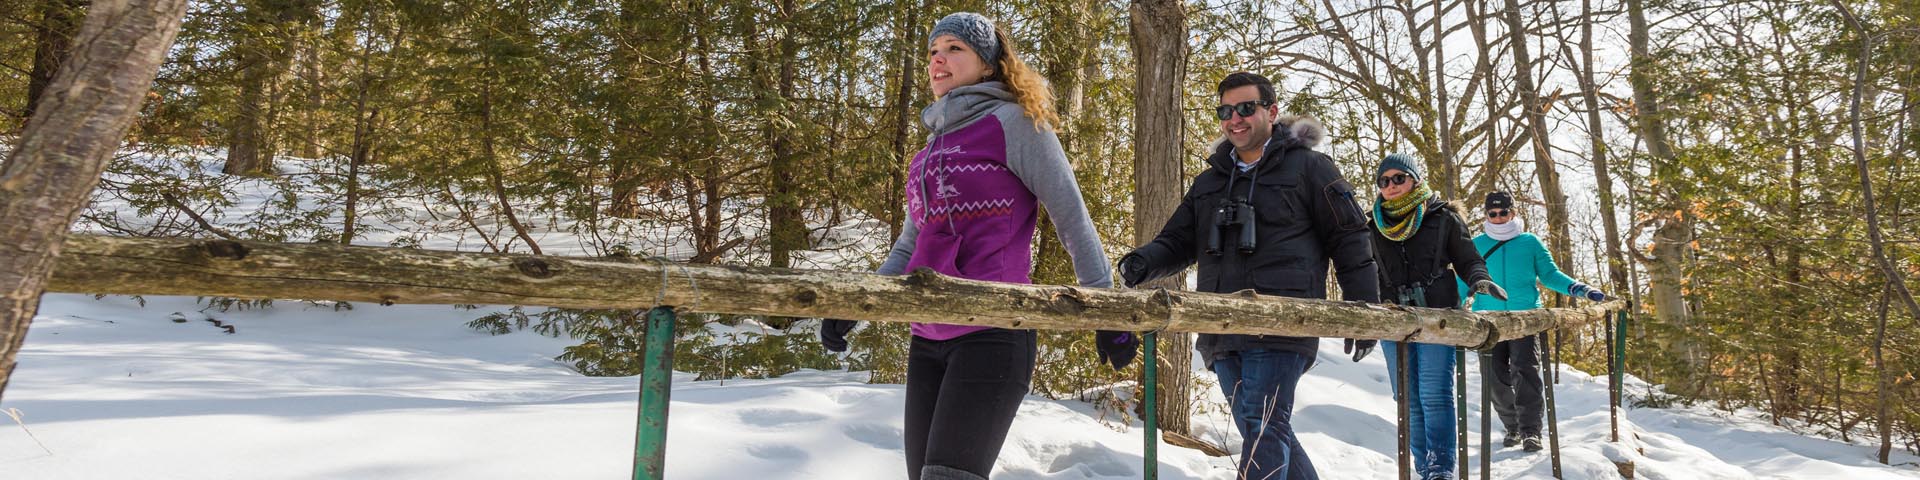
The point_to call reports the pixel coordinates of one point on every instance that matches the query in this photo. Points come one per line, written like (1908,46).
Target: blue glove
(1581,290)
(1116,348)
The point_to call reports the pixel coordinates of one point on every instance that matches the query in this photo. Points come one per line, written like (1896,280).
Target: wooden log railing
(259,270)
(153,266)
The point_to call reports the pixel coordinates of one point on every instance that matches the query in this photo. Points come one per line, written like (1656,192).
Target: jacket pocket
(1345,208)
(939,249)
(1277,201)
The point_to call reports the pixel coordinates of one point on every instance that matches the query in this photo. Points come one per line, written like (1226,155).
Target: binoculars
(1232,213)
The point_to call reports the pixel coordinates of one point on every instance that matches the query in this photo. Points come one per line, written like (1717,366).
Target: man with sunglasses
(1268,214)
(1518,260)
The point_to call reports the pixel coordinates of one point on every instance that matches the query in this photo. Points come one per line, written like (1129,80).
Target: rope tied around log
(666,269)
(1167,297)
(1411,336)
(1493,335)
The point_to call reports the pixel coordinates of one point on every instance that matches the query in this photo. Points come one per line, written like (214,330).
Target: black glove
(1133,270)
(1116,348)
(833,333)
(1581,290)
(1360,348)
(1487,287)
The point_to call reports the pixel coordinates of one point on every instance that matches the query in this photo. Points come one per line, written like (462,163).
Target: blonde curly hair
(1030,89)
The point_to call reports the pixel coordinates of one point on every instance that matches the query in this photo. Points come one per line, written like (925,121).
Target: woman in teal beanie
(1421,247)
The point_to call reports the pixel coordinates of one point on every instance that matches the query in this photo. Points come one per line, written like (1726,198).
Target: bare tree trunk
(1671,238)
(1895,279)
(494,173)
(1884,414)
(1651,116)
(499,187)
(624,201)
(709,224)
(1885,383)
(787,227)
(704,189)
(624,176)
(363,120)
(1073,69)
(266,53)
(1590,90)
(1497,159)
(248,150)
(1449,155)
(1536,117)
(1675,231)
(82,119)
(1159,31)
(362,152)
(1065,72)
(312,83)
(247,130)
(53,39)
(909,33)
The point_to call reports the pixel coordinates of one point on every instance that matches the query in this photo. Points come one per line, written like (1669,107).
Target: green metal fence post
(1617,374)
(1403,379)
(1546,339)
(656,386)
(1460,408)
(1151,420)
(1486,421)
(1613,409)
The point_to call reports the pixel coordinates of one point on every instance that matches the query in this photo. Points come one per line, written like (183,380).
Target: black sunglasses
(1396,179)
(1499,213)
(1245,109)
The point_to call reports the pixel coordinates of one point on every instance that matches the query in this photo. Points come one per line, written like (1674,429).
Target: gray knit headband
(974,29)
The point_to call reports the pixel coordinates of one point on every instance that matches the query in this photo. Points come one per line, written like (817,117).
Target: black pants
(1514,377)
(962,394)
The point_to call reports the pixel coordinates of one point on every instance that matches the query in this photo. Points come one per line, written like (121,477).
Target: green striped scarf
(1399,218)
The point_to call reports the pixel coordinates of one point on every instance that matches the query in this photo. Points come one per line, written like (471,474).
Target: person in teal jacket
(1517,260)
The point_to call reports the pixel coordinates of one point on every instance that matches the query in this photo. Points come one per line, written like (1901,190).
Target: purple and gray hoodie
(973,193)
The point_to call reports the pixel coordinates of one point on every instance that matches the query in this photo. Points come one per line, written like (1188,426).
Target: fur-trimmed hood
(1289,131)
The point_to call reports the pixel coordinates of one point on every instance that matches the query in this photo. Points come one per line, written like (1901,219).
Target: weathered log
(118,265)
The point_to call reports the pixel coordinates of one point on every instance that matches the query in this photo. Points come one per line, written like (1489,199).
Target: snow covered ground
(109,389)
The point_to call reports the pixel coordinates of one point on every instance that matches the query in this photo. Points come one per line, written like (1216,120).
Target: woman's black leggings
(962,394)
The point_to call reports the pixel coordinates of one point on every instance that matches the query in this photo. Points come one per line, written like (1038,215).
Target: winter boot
(1532,443)
(1508,440)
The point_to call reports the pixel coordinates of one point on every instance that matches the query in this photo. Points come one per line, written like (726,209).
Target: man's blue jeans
(1259,385)
(1430,401)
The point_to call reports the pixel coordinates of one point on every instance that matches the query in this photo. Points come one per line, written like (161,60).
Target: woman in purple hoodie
(973,198)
